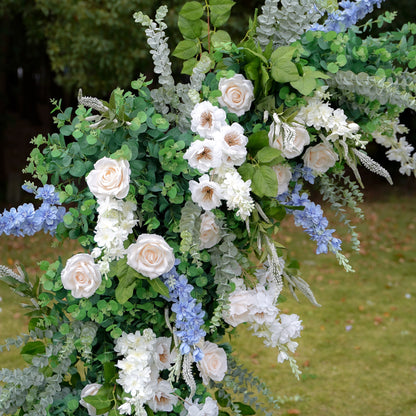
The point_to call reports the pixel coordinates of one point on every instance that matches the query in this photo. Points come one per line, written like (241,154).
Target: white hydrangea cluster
(139,375)
(399,149)
(116,220)
(223,147)
(320,115)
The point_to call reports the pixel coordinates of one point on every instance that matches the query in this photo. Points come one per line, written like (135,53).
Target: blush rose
(150,255)
(81,275)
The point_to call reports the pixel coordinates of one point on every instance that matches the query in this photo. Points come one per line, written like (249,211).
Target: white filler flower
(81,275)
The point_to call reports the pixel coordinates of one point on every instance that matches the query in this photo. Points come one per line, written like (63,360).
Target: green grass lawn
(357,352)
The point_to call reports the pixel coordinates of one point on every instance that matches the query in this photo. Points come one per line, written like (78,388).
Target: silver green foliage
(296,282)
(384,90)
(343,193)
(372,165)
(190,216)
(284,21)
(242,382)
(30,388)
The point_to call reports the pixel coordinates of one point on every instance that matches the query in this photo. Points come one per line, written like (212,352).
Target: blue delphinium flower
(26,220)
(352,12)
(311,219)
(189,313)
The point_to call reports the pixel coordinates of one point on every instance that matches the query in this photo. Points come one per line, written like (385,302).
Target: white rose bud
(320,158)
(300,140)
(90,390)
(110,177)
(284,175)
(81,276)
(214,364)
(237,94)
(150,255)
(209,231)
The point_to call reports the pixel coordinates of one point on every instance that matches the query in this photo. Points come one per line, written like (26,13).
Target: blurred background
(51,48)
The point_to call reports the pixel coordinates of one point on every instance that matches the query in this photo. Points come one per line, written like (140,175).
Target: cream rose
(238,312)
(110,177)
(320,158)
(81,276)
(289,150)
(209,231)
(90,390)
(237,94)
(150,255)
(284,175)
(214,364)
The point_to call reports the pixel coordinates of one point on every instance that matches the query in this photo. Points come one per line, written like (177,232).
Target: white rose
(214,364)
(290,149)
(284,175)
(320,158)
(90,390)
(238,311)
(150,255)
(109,177)
(237,94)
(163,399)
(81,276)
(209,231)
(206,193)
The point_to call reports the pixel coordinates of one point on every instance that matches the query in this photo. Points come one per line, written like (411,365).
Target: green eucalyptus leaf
(78,169)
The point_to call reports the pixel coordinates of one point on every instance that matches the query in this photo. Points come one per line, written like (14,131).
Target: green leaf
(123,153)
(264,182)
(192,10)
(31,349)
(221,39)
(159,287)
(190,29)
(282,67)
(188,66)
(245,409)
(220,11)
(186,49)
(333,67)
(125,288)
(78,169)
(246,171)
(269,155)
(258,140)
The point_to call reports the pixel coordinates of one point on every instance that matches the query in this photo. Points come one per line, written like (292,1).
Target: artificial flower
(110,177)
(207,119)
(150,255)
(209,231)
(213,365)
(236,94)
(206,193)
(81,275)
(320,157)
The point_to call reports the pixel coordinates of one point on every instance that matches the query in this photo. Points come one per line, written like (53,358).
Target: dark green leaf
(192,10)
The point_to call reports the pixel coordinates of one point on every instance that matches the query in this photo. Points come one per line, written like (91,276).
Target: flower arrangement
(176,194)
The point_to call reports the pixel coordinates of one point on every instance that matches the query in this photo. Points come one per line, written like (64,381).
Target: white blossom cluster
(320,115)
(399,149)
(116,220)
(223,147)
(144,357)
